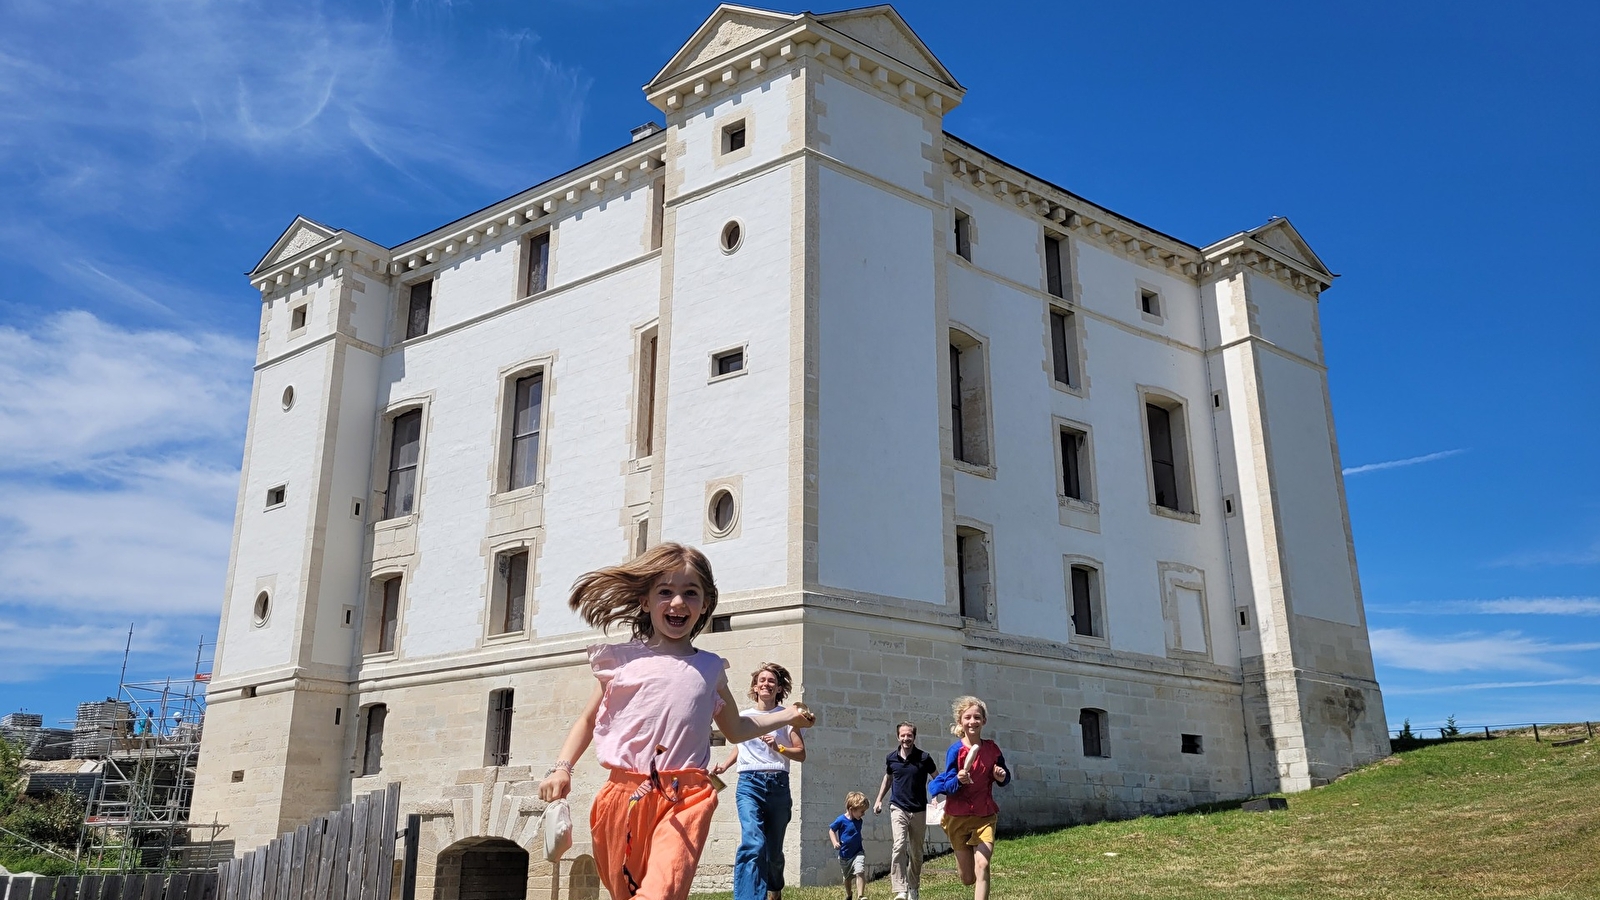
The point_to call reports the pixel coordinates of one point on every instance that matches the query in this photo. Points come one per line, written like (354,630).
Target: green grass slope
(1508,818)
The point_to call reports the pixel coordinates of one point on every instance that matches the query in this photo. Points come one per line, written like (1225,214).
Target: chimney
(645,130)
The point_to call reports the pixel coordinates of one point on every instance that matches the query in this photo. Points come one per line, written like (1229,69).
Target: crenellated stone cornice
(1064,211)
(805,38)
(612,174)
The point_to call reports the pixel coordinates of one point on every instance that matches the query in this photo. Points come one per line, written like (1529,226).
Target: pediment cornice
(804,37)
(1245,251)
(612,174)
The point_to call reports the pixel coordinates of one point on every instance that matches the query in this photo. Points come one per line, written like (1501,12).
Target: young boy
(845,833)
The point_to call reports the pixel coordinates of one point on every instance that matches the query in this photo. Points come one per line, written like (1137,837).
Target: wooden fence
(345,855)
(156,886)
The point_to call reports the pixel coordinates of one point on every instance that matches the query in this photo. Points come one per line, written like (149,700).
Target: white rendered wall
(869,132)
(771,116)
(343,578)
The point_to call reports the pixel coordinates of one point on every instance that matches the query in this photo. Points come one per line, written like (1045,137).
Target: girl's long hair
(615,594)
(961,705)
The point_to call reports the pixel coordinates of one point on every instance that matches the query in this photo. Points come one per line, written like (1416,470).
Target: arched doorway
(481,868)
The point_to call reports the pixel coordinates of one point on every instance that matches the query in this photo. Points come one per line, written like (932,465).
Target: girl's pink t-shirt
(654,699)
(977,798)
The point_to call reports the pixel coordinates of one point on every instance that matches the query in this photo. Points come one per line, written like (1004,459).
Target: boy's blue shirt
(849,832)
(946,782)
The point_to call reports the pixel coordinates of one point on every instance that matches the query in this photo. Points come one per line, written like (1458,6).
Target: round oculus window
(262,608)
(732,236)
(288,397)
(724,512)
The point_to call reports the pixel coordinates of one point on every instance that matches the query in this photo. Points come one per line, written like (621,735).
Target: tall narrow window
(510,592)
(1063,345)
(389,615)
(1052,267)
(1085,622)
(1092,722)
(641,536)
(1072,464)
(372,742)
(964,236)
(658,211)
(969,419)
(420,308)
(644,444)
(972,573)
(1163,457)
(405,448)
(498,749)
(538,262)
(527,410)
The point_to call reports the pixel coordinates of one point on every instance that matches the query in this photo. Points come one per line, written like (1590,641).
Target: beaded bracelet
(560,764)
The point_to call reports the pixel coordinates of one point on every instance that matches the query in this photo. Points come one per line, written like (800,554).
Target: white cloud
(1408,461)
(1583,681)
(119,489)
(1533,559)
(1520,606)
(1508,651)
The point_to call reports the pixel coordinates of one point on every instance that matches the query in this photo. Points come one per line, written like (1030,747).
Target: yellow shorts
(969,831)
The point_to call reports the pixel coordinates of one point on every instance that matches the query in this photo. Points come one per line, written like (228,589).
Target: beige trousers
(905,863)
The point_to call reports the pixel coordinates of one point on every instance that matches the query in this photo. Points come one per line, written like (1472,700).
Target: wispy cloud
(1533,559)
(1581,681)
(1402,463)
(1508,651)
(1525,606)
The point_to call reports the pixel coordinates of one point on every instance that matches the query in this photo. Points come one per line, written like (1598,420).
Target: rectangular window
(277,496)
(733,137)
(1092,722)
(1072,464)
(527,409)
(969,418)
(1150,303)
(1191,743)
(1084,620)
(389,616)
(420,309)
(658,211)
(727,363)
(405,449)
(511,592)
(372,745)
(297,319)
(498,749)
(538,262)
(957,427)
(644,443)
(964,236)
(972,573)
(641,536)
(1052,267)
(1162,461)
(1063,345)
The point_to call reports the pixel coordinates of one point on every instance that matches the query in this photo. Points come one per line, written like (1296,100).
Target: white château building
(942,427)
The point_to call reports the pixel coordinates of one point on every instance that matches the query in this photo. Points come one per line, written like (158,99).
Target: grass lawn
(1502,818)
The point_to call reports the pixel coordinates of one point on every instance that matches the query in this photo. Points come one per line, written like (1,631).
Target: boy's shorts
(855,865)
(969,831)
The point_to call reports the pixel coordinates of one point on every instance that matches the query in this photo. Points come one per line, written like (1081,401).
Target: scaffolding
(148,739)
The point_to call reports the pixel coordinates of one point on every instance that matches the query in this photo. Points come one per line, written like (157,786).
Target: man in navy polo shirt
(905,780)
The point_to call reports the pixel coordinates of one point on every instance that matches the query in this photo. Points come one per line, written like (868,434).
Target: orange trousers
(657,841)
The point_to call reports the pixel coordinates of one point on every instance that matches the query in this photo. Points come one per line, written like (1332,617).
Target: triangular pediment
(729,27)
(1281,236)
(301,235)
(882,29)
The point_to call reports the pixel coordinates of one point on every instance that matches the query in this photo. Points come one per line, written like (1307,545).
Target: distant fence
(347,854)
(155,886)
(1541,731)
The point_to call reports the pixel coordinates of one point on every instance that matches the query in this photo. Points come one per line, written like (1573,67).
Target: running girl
(650,720)
(969,810)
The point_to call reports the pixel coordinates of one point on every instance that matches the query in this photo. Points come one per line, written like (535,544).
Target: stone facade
(804,209)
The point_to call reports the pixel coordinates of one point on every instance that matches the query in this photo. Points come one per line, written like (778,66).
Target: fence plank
(358,848)
(111,889)
(247,876)
(370,848)
(297,862)
(269,870)
(177,884)
(285,859)
(258,875)
(133,887)
(211,889)
(330,855)
(391,815)
(341,850)
(67,887)
(153,885)
(5,886)
(235,872)
(42,888)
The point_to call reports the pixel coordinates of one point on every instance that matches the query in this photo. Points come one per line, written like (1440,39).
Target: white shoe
(900,896)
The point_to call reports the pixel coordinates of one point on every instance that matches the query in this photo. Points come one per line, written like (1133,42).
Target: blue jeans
(763,799)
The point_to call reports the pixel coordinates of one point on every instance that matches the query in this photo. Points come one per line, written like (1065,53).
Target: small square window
(728,362)
(1150,303)
(720,624)
(247,692)
(355,507)
(733,137)
(1191,743)
(1242,613)
(238,776)
(297,318)
(277,495)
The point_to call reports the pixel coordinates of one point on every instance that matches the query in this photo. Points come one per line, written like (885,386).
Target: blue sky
(1440,156)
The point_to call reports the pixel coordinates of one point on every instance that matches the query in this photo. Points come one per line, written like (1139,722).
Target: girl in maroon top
(970,811)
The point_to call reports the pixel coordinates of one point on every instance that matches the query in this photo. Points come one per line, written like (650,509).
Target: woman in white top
(763,794)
